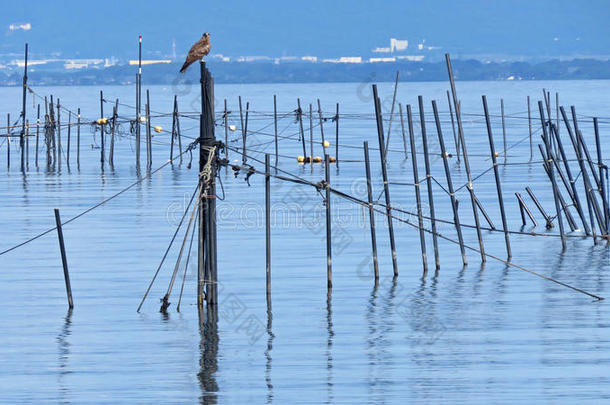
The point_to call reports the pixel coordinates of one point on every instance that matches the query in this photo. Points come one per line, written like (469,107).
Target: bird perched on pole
(198,51)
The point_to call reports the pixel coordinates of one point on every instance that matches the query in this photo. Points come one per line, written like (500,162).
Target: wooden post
(470,186)
(384,172)
(369,189)
(23,109)
(551,175)
(402,128)
(422,124)
(64,260)
(329,255)
(207,207)
(445,156)
(494,160)
(268,225)
(420,220)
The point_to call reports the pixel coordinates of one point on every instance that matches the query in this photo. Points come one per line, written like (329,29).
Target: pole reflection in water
(268,351)
(208,328)
(329,346)
(64,356)
(371,342)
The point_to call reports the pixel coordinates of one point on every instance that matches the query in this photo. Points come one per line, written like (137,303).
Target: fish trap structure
(558,149)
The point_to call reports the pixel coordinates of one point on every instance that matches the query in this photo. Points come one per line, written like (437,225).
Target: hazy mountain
(75,28)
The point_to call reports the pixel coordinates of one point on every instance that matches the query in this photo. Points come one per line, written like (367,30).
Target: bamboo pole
(329,256)
(420,220)
(503,129)
(58,126)
(369,190)
(470,186)
(225,118)
(551,175)
(523,207)
(243,131)
(601,167)
(300,120)
(384,172)
(102,127)
(23,109)
(402,128)
(8,140)
(68,145)
(64,260)
(454,203)
(337,137)
(529,124)
(275,129)
(78,138)
(267,225)
(494,160)
(171,141)
(387,146)
(455,137)
(572,182)
(547,218)
(37,132)
(310,137)
(422,124)
(321,120)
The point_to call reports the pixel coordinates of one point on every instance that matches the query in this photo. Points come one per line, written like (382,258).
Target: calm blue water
(478,334)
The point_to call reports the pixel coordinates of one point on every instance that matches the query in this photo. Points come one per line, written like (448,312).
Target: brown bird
(198,51)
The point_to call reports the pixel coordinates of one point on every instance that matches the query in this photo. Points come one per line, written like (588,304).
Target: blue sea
(481,333)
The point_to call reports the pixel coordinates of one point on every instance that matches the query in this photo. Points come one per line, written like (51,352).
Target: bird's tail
(183,68)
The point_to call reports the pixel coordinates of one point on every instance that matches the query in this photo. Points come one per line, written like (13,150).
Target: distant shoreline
(269,73)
